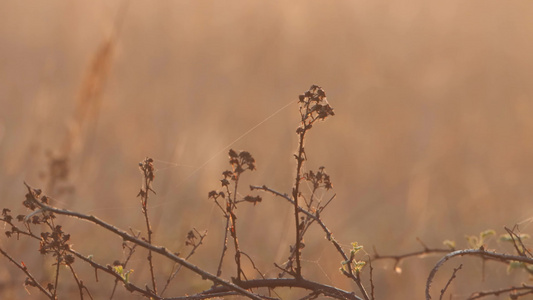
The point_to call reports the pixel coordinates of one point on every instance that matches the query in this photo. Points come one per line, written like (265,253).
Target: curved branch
(475,252)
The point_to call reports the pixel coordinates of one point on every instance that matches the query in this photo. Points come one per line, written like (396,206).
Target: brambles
(307,206)
(313,107)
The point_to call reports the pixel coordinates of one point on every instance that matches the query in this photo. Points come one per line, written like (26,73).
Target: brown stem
(224,248)
(295,195)
(233,220)
(57,275)
(149,231)
(148,169)
(79,283)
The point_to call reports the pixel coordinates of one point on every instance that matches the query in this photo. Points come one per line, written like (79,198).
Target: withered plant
(307,210)
(308,207)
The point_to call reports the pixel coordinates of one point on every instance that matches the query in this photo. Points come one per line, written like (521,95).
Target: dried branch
(513,291)
(79,283)
(190,242)
(520,248)
(398,258)
(450,281)
(473,252)
(127,237)
(326,290)
(30,280)
(224,248)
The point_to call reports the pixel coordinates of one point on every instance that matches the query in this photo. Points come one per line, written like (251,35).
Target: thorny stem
(150,262)
(313,107)
(79,283)
(233,219)
(295,195)
(148,175)
(227,214)
(224,249)
(371,279)
(57,274)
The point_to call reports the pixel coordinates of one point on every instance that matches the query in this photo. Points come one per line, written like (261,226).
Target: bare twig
(79,283)
(224,248)
(195,245)
(520,248)
(32,281)
(450,281)
(58,264)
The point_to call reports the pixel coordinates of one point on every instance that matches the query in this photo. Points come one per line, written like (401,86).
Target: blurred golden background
(432,136)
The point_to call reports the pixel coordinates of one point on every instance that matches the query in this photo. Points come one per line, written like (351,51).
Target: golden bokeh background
(432,137)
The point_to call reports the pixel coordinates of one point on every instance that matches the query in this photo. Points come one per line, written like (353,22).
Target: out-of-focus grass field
(432,137)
